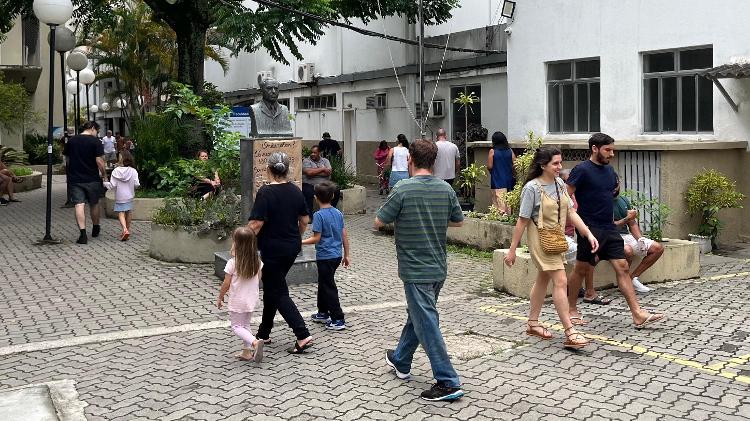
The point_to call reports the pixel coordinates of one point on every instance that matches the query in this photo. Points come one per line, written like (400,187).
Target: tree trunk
(190,56)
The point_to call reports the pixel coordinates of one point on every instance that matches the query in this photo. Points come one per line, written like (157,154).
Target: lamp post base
(48,242)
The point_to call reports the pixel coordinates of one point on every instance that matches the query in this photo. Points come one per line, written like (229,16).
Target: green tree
(241,28)
(15,106)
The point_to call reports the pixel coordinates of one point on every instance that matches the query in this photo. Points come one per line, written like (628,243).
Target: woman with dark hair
(545,202)
(381,155)
(279,217)
(500,162)
(398,158)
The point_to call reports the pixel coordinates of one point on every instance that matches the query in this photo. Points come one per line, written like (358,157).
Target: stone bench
(28,182)
(143,208)
(679,261)
(304,270)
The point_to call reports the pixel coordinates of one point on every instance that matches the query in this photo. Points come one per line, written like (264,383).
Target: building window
(284,102)
(320,102)
(675,98)
(471,114)
(573,95)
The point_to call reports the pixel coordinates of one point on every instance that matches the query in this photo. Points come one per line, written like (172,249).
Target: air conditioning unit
(436,111)
(305,73)
(265,74)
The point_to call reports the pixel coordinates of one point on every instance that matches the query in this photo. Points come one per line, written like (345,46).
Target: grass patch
(470,251)
(21,171)
(150,194)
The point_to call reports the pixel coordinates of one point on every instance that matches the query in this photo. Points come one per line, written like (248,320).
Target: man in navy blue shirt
(593,183)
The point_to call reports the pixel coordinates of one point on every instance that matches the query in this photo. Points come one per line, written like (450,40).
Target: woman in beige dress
(545,203)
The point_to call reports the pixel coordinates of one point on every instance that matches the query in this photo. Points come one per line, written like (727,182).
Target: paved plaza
(142,339)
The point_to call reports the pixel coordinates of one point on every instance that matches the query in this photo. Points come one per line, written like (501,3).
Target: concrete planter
(482,234)
(143,208)
(29,182)
(177,245)
(57,169)
(353,200)
(679,261)
(704,243)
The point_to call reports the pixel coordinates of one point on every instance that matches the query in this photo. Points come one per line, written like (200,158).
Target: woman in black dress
(279,217)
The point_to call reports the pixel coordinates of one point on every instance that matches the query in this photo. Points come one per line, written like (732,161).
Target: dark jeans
(328,294)
(423,328)
(308,190)
(276,297)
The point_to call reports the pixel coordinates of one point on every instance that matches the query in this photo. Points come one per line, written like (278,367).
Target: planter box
(143,208)
(57,169)
(29,182)
(304,270)
(353,201)
(483,234)
(679,261)
(177,245)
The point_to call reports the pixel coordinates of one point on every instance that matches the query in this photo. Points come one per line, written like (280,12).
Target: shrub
(179,176)
(468,179)
(10,156)
(657,212)
(35,146)
(709,192)
(493,214)
(341,173)
(220,213)
(521,168)
(21,171)
(157,137)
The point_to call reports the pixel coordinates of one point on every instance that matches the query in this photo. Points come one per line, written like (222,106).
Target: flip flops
(652,318)
(297,349)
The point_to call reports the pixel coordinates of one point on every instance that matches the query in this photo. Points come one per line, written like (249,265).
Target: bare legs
(653,254)
(559,295)
(94,210)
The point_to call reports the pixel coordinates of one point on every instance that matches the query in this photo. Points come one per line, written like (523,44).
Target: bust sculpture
(270,119)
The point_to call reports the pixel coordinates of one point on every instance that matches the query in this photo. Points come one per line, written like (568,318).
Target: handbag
(552,238)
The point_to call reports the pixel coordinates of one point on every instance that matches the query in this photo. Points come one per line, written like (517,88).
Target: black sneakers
(439,392)
(96,230)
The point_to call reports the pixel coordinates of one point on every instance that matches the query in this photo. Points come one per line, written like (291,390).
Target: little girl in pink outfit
(242,282)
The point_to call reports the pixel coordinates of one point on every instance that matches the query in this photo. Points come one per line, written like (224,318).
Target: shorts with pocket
(86,192)
(611,246)
(640,246)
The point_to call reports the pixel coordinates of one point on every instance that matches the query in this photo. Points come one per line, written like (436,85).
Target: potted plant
(709,192)
(468,180)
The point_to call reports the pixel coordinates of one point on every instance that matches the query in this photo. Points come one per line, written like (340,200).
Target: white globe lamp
(94,109)
(72,87)
(77,61)
(65,39)
(87,76)
(104,107)
(120,103)
(53,12)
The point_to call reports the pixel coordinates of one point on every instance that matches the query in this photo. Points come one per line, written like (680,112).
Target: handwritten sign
(262,149)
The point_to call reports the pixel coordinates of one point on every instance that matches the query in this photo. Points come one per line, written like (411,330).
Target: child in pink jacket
(123,181)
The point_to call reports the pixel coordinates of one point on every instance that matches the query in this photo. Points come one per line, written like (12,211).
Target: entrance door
(350,144)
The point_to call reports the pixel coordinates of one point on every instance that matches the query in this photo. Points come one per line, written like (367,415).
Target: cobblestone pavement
(93,314)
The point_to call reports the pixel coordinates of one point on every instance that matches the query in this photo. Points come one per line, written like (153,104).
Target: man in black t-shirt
(593,183)
(329,147)
(85,174)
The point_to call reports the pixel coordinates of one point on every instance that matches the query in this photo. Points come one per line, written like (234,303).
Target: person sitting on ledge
(7,179)
(206,186)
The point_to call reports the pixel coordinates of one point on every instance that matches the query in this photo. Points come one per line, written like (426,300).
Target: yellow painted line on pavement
(726,276)
(715,369)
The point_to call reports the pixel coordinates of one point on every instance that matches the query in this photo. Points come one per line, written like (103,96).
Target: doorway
(350,143)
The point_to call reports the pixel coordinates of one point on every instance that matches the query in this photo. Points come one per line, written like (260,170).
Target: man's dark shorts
(86,192)
(611,246)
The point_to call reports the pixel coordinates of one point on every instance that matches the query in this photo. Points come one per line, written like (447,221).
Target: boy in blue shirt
(329,235)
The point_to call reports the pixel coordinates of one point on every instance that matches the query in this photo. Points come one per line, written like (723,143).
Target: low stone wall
(143,208)
(679,261)
(177,245)
(303,271)
(57,169)
(353,201)
(482,234)
(29,182)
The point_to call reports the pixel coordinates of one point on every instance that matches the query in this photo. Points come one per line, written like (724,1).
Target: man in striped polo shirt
(422,208)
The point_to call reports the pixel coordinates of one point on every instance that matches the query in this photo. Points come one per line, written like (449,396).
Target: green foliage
(657,211)
(306,151)
(469,251)
(521,168)
(709,192)
(21,171)
(342,173)
(493,214)
(16,109)
(158,137)
(468,179)
(179,176)
(220,214)
(35,146)
(10,156)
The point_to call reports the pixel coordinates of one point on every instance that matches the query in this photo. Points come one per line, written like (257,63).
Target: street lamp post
(87,78)
(52,13)
(77,61)
(65,40)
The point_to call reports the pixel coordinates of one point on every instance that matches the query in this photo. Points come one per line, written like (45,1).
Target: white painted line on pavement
(191,327)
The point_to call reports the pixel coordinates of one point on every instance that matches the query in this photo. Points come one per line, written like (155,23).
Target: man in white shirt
(110,152)
(448,158)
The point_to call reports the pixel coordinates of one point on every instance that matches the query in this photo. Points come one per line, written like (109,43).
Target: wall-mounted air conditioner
(305,72)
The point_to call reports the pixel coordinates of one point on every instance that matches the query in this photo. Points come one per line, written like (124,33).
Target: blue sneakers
(320,317)
(336,325)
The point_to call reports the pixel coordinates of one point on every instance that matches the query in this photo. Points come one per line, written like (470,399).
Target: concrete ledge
(353,200)
(29,182)
(177,245)
(143,208)
(483,234)
(57,169)
(304,270)
(679,261)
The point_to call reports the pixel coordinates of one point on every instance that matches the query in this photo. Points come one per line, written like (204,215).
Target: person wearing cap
(329,147)
(279,217)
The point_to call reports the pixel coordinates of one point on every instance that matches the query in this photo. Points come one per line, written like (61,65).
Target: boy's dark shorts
(611,246)
(86,192)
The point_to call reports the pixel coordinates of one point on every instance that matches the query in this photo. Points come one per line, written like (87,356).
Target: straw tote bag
(551,238)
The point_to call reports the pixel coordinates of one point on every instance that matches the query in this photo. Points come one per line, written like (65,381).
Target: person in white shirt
(448,158)
(110,152)
(398,158)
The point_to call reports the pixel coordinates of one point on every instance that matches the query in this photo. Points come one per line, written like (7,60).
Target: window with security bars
(573,96)
(320,102)
(676,99)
